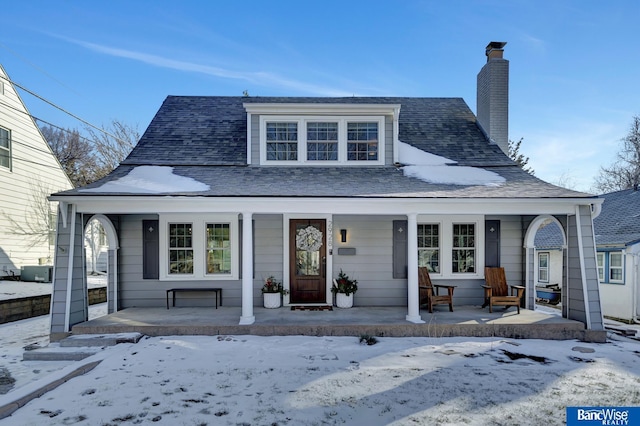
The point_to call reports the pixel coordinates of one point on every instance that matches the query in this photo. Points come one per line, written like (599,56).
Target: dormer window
(282,141)
(321,140)
(362,142)
(320,134)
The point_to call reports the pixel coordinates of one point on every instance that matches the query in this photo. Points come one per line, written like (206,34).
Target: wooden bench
(216,290)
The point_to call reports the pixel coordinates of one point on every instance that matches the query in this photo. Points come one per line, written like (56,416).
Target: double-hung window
(322,141)
(451,246)
(362,141)
(218,248)
(200,247)
(282,141)
(180,248)
(610,267)
(5,148)
(543,267)
(463,254)
(429,246)
(615,266)
(290,140)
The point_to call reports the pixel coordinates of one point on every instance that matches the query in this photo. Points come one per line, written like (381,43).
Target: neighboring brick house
(617,231)
(231,190)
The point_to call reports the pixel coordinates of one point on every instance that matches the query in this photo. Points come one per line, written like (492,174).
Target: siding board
(34,175)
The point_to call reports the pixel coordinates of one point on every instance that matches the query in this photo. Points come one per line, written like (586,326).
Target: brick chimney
(492,102)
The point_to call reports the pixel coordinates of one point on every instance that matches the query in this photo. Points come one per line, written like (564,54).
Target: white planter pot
(272,300)
(344,301)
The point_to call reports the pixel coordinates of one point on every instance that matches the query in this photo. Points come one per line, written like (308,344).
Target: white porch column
(115,279)
(247,270)
(413,292)
(530,285)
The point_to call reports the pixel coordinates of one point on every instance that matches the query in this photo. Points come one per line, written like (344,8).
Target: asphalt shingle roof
(549,236)
(254,181)
(204,138)
(212,130)
(619,221)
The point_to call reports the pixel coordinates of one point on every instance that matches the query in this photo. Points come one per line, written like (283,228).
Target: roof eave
(321,108)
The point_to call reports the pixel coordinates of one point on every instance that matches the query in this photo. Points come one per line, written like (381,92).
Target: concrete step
(78,347)
(84,340)
(53,352)
(621,329)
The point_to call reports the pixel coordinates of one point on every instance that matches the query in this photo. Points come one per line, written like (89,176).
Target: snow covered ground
(31,333)
(299,380)
(17,289)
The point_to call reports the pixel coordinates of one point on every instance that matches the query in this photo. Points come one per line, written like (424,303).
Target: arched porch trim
(112,260)
(530,260)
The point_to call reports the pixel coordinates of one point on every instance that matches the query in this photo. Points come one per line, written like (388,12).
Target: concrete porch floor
(470,321)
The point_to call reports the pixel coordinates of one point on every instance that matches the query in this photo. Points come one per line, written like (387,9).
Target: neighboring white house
(96,247)
(29,172)
(618,254)
(550,247)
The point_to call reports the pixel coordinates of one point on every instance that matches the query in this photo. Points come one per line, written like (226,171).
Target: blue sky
(574,65)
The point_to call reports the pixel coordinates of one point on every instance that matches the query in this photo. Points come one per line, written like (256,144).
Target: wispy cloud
(535,44)
(255,77)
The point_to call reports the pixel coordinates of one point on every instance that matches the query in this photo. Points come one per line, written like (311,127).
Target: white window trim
(621,267)
(431,248)
(546,268)
(601,268)
(199,223)
(8,150)
(446,244)
(302,139)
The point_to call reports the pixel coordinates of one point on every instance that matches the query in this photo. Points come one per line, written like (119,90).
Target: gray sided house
(618,244)
(227,191)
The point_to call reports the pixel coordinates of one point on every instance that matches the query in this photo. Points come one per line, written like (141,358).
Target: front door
(307,261)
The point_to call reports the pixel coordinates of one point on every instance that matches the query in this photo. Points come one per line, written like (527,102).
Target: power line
(62,109)
(30,146)
(21,111)
(24,160)
(16,54)
(18,141)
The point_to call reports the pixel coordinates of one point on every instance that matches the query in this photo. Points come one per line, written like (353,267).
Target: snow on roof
(151,180)
(436,169)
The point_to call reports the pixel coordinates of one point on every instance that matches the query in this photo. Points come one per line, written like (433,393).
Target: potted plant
(344,288)
(272,292)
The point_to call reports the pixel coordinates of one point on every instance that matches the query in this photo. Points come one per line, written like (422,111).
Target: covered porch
(376,241)
(387,321)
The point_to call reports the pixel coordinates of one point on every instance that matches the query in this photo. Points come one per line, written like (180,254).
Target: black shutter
(400,257)
(492,243)
(150,250)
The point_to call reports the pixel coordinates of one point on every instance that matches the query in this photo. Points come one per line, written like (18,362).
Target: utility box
(37,273)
